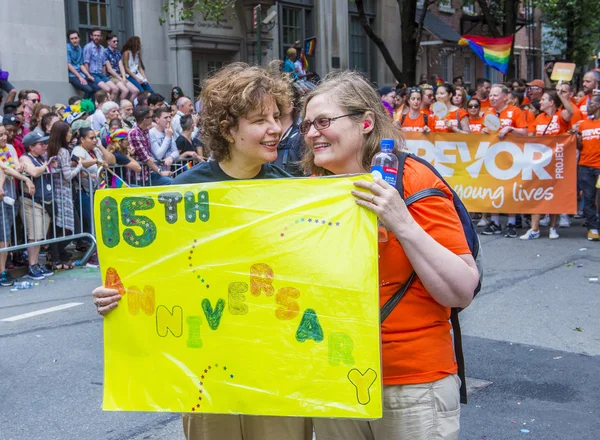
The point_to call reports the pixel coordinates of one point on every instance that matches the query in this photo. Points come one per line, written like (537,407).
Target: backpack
(290,151)
(474,246)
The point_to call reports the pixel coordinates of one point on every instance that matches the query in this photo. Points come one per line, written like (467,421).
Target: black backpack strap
(429,192)
(426,119)
(402,119)
(458,353)
(399,179)
(391,303)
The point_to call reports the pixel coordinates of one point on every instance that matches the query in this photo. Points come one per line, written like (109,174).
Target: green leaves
(210,10)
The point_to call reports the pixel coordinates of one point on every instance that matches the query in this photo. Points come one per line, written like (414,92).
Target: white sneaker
(483,222)
(564,221)
(545,221)
(553,234)
(530,235)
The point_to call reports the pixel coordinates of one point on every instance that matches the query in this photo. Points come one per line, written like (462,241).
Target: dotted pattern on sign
(309,221)
(203,379)
(195,271)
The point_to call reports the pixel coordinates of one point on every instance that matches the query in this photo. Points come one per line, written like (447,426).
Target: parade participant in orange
(475,116)
(457,120)
(415,120)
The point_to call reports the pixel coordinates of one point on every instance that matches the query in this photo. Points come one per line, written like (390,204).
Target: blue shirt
(113,58)
(75,58)
(94,56)
(289,67)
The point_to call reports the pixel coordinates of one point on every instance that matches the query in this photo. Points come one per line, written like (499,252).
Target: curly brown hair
(234,92)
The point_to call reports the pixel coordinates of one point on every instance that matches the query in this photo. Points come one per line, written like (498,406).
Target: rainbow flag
(495,52)
(309,46)
(117,182)
(187,166)
(304,62)
(102,183)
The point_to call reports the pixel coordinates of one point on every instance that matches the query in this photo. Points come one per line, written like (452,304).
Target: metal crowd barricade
(141,178)
(20,240)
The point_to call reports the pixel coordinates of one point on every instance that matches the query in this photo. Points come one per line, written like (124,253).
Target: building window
(296,24)
(517,65)
(531,67)
(362,49)
(446,64)
(108,15)
(468,70)
(492,74)
(469,9)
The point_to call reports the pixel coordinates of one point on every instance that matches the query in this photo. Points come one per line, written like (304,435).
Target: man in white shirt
(162,142)
(184,107)
(98,119)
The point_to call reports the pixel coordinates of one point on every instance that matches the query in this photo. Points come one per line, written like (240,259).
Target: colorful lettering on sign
(213,316)
(109,221)
(129,216)
(362,382)
(341,346)
(261,278)
(196,207)
(194,340)
(169,321)
(286,297)
(309,327)
(136,300)
(237,298)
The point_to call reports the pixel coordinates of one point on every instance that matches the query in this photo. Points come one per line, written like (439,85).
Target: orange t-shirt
(529,116)
(511,116)
(555,125)
(439,125)
(582,105)
(476,124)
(485,104)
(411,124)
(416,339)
(590,138)
(577,116)
(526,100)
(398,113)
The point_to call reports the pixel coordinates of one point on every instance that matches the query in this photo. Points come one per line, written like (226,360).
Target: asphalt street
(532,347)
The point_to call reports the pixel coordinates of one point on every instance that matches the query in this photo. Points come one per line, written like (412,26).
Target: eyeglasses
(322,123)
(473,106)
(533,88)
(35,101)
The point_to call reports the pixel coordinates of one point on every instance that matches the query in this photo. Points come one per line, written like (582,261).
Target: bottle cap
(387,144)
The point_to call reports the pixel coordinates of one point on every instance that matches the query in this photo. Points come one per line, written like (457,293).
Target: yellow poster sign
(252,297)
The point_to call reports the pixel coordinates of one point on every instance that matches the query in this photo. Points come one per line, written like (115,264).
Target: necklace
(7,157)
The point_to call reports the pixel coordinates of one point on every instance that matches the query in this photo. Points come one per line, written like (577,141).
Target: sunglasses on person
(322,123)
(35,101)
(533,88)
(416,90)
(473,106)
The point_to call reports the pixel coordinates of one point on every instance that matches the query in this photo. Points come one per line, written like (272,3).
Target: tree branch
(387,56)
(491,22)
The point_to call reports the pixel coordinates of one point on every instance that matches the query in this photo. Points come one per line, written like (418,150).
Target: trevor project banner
(517,175)
(252,297)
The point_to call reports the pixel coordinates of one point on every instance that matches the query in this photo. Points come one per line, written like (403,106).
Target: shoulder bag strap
(391,303)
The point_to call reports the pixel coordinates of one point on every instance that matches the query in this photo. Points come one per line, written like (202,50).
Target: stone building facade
(183,53)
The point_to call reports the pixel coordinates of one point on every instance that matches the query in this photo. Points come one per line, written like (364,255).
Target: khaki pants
(234,427)
(37,220)
(429,411)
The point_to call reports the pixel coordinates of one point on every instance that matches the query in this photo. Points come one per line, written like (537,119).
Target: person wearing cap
(9,166)
(37,219)
(535,89)
(13,128)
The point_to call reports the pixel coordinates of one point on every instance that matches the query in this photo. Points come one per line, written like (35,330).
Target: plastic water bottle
(23,285)
(385,166)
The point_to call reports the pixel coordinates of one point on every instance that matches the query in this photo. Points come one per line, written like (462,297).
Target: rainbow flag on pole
(117,182)
(309,46)
(495,52)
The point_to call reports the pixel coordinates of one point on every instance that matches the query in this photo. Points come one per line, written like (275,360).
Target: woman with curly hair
(241,127)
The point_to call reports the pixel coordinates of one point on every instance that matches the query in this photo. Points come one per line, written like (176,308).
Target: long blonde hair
(354,94)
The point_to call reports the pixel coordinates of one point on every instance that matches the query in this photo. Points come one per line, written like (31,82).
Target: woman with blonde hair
(343,126)
(241,127)
(460,97)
